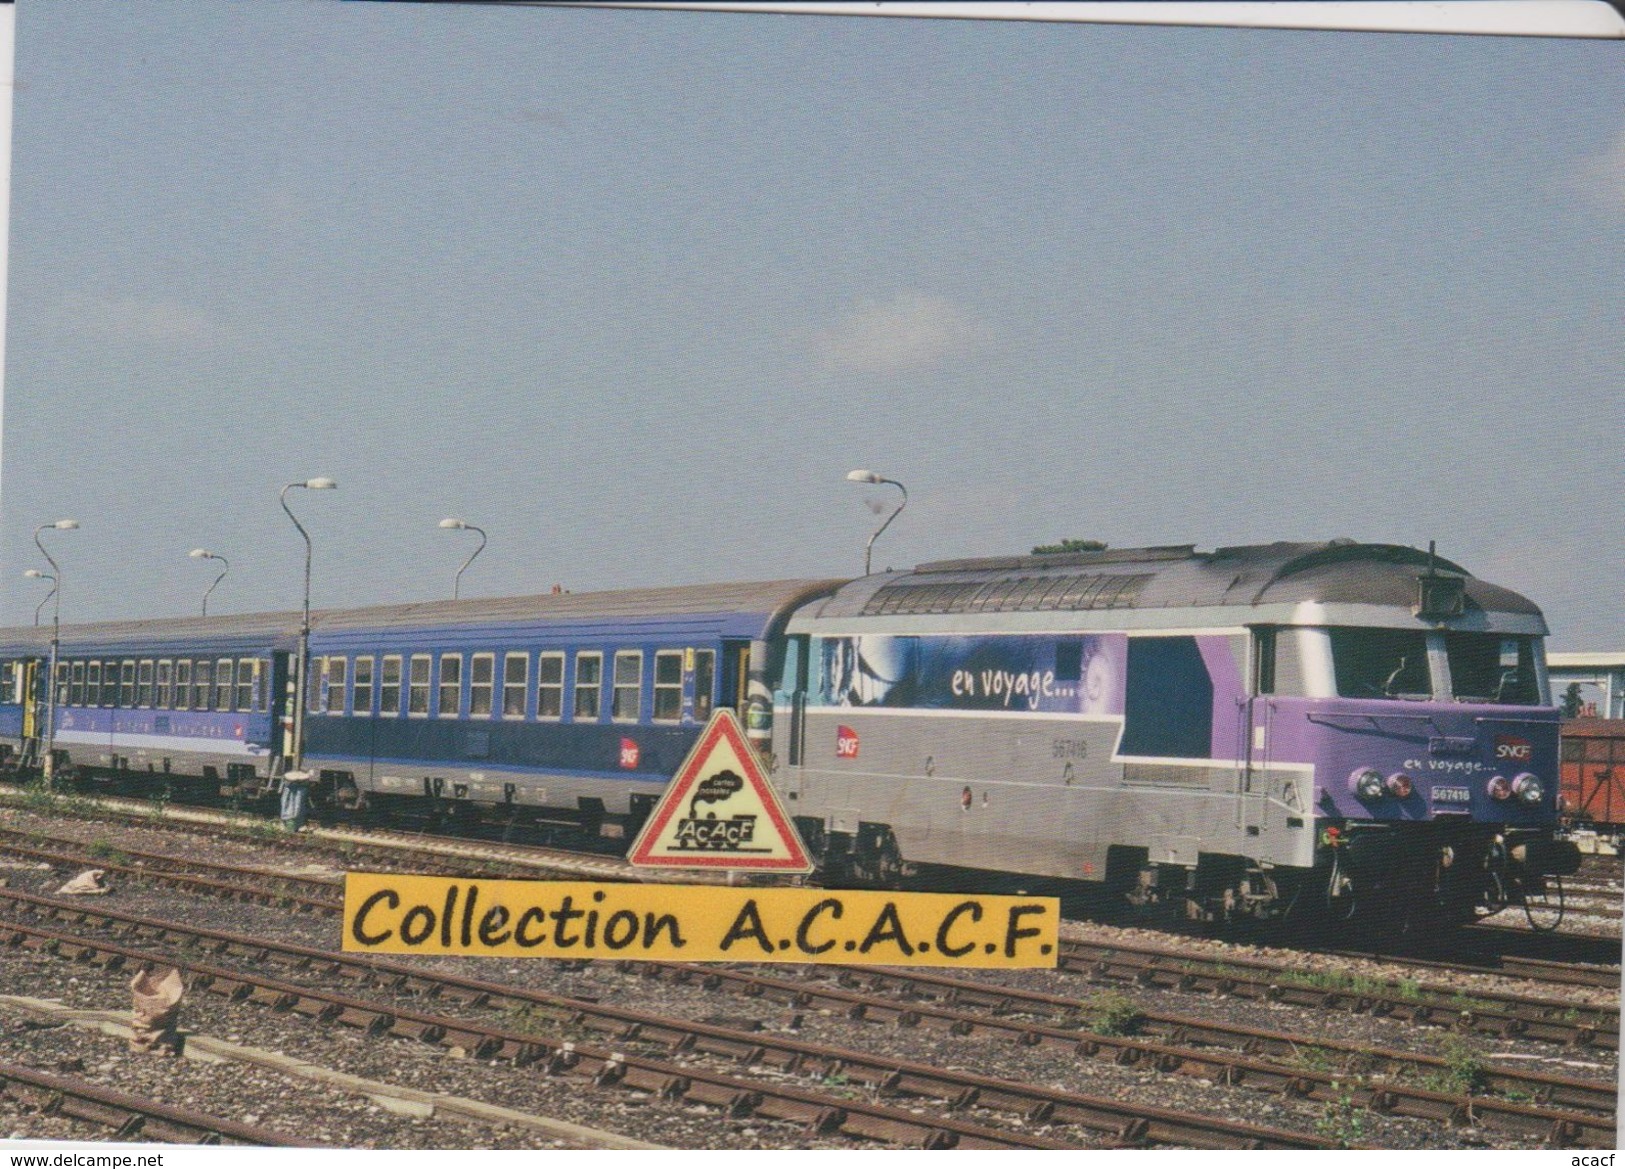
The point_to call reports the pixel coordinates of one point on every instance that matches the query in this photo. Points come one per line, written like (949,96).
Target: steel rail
(1526,1016)
(1121,1123)
(131,1117)
(1539,1120)
(605,1067)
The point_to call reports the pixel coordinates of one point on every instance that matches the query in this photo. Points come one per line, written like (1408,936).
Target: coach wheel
(1544,907)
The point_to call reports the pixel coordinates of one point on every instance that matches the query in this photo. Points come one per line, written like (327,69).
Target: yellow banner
(391,914)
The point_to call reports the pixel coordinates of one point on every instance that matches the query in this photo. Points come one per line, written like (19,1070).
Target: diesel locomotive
(1292,728)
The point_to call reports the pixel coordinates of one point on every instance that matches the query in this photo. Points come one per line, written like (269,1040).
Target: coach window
(62,683)
(76,685)
(93,683)
(222,683)
(126,684)
(183,685)
(589,683)
(481,681)
(361,701)
(550,686)
(515,681)
(315,678)
(389,686)
(668,685)
(336,670)
(143,684)
(451,685)
(625,705)
(418,687)
(247,674)
(202,684)
(164,698)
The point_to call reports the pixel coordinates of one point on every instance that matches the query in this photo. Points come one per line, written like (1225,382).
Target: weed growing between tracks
(1111,1013)
(1342,1121)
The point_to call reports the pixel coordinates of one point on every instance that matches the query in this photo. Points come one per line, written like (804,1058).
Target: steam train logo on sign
(719,812)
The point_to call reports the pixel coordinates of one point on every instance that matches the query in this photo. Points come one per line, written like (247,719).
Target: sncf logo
(629,754)
(1513,749)
(846,743)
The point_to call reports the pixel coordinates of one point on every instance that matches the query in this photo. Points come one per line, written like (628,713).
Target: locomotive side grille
(1011,595)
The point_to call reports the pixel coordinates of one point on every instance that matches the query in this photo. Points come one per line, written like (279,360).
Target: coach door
(736,675)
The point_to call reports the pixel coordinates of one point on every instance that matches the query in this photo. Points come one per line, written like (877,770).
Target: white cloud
(911,331)
(1601,178)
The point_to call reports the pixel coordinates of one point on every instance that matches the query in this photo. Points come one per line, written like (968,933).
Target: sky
(634,291)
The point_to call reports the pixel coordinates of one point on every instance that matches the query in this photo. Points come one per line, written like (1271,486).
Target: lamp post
(457,584)
(871,477)
(322,484)
(205,554)
(48,765)
(36,574)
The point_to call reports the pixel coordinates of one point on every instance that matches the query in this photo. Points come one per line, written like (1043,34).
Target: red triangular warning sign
(719,812)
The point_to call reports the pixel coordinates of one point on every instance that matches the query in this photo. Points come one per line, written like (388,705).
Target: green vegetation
(1342,1121)
(1070,545)
(1111,1013)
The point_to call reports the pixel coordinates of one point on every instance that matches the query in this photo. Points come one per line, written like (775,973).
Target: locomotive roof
(1331,573)
(754,604)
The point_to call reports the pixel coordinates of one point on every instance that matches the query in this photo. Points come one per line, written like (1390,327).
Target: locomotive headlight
(1499,788)
(1528,789)
(1367,783)
(1399,785)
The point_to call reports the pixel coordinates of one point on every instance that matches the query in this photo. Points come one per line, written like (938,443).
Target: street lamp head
(451,523)
(36,574)
(320,484)
(863,477)
(65,525)
(200,554)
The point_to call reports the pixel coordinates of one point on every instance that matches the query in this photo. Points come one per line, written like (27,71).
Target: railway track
(1551,1118)
(127,1116)
(1491,1012)
(954,1093)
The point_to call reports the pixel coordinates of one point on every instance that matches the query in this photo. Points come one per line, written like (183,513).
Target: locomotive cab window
(1381,663)
(1493,668)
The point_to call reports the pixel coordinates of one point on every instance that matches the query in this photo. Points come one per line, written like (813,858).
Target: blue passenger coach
(584,705)
(184,698)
